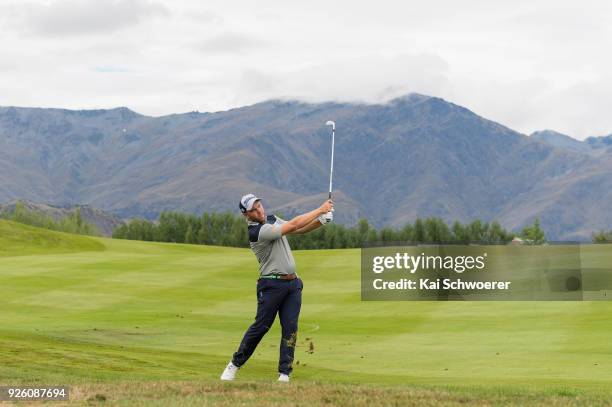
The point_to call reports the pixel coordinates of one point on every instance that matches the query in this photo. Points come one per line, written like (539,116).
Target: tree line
(228,229)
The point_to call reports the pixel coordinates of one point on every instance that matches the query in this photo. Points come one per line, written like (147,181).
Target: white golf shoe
(283,378)
(230,372)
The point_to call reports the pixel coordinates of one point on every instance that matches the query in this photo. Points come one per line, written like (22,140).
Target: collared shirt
(270,247)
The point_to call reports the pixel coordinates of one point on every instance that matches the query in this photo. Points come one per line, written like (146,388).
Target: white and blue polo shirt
(270,247)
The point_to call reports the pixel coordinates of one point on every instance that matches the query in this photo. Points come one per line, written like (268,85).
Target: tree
(602,237)
(121,232)
(363,227)
(460,234)
(436,231)
(475,232)
(407,233)
(190,235)
(419,231)
(534,234)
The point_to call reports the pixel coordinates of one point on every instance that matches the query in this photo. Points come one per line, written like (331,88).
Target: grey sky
(529,65)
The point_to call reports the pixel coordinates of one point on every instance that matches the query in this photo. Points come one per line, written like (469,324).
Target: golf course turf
(140,323)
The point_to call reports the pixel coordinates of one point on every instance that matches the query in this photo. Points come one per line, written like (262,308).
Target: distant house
(517,241)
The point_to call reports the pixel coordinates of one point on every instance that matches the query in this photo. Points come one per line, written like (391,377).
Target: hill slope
(415,156)
(104,222)
(21,240)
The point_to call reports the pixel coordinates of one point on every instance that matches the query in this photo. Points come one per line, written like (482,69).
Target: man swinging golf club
(279,289)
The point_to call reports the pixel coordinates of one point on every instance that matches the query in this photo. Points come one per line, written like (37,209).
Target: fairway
(90,312)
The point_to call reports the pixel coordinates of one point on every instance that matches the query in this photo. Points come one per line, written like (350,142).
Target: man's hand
(327,215)
(326,218)
(327,206)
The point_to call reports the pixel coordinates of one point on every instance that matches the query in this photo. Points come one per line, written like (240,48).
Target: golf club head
(331,123)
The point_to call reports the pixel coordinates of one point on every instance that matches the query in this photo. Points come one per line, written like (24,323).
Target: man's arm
(268,232)
(302,221)
(315,224)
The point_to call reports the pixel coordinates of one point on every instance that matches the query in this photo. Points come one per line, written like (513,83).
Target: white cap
(247,202)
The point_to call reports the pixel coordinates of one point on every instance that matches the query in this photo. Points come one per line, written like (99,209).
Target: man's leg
(289,312)
(269,297)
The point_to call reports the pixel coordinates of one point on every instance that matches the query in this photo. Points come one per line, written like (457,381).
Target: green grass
(20,240)
(154,324)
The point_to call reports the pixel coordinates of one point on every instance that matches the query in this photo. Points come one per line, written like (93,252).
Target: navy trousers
(274,296)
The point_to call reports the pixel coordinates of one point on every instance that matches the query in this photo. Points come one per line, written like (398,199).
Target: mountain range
(413,156)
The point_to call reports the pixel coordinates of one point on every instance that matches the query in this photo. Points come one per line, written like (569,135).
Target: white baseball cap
(247,202)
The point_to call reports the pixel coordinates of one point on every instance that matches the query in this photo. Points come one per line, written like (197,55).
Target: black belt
(280,276)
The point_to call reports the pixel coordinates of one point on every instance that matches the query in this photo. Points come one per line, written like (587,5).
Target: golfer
(279,290)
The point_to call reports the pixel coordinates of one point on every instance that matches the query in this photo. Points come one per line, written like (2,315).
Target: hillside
(414,156)
(21,240)
(104,222)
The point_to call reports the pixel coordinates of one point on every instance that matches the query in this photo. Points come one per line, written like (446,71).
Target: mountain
(560,140)
(414,156)
(104,222)
(592,145)
(603,142)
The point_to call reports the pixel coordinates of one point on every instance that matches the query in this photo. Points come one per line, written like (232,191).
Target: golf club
(331,169)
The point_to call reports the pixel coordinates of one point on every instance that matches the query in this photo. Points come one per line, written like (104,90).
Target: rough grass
(181,393)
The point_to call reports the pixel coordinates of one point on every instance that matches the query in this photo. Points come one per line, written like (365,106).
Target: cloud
(110,69)
(580,110)
(528,65)
(536,103)
(82,17)
(202,16)
(260,83)
(349,79)
(229,43)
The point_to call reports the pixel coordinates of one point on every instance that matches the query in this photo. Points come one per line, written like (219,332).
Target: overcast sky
(529,65)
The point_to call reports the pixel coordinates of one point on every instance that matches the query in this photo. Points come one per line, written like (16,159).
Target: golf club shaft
(331,170)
